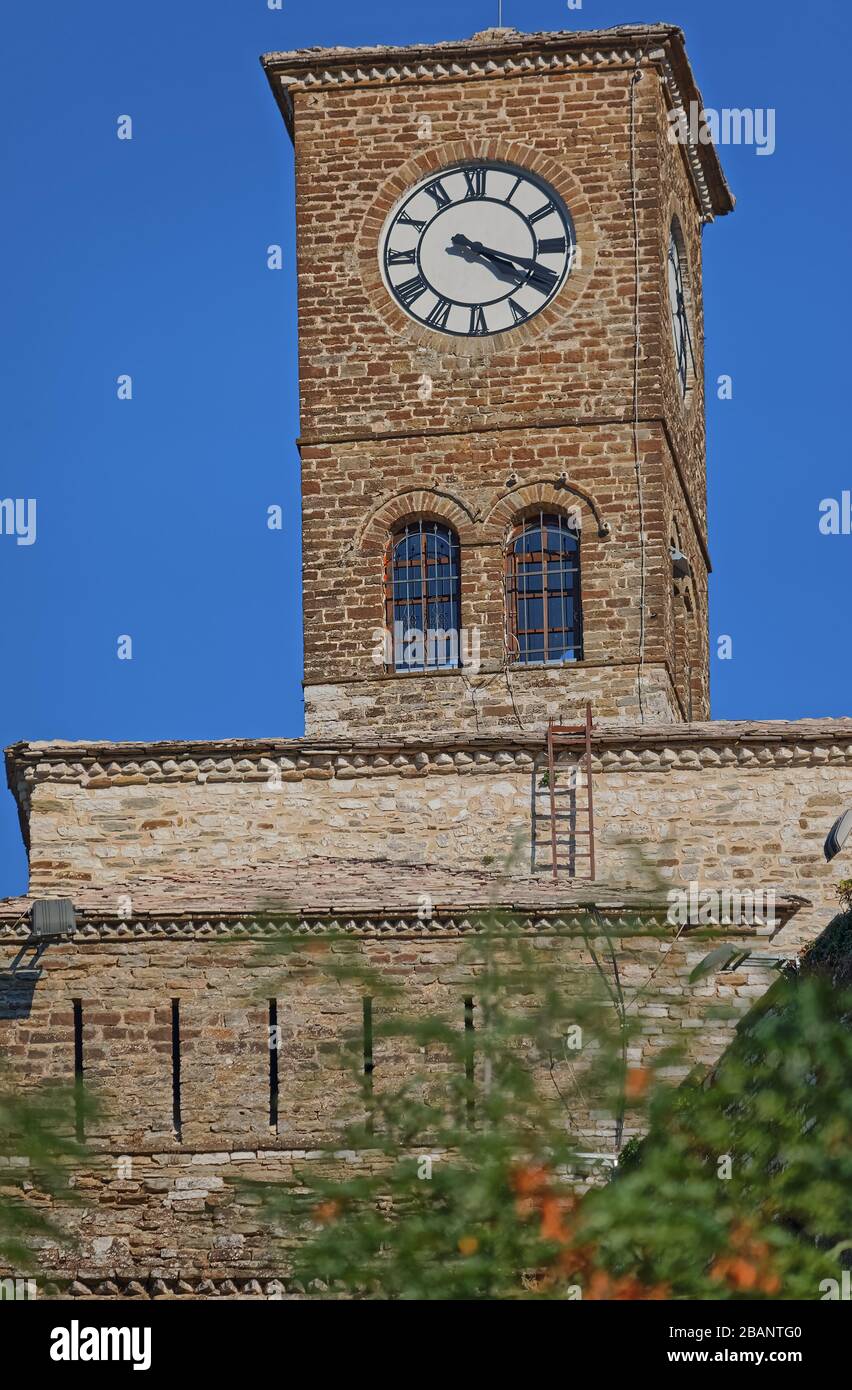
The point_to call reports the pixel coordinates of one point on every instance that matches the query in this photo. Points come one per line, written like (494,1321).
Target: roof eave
(662,44)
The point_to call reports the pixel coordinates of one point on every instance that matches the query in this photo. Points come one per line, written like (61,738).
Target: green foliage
(831,953)
(741,1189)
(767,1222)
(38,1153)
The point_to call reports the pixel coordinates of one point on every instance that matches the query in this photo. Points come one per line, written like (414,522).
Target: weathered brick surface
(355,494)
(398,421)
(156,1207)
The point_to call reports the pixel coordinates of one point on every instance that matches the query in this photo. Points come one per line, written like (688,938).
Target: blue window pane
(544,587)
(424,597)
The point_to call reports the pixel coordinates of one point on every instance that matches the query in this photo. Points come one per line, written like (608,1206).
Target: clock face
(477,249)
(680,318)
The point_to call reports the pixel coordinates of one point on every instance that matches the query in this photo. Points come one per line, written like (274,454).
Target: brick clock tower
(502,402)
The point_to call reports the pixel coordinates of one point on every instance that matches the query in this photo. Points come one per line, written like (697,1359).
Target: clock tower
(502,400)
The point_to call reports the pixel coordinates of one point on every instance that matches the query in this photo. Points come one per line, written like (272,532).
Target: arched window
(423,609)
(543,590)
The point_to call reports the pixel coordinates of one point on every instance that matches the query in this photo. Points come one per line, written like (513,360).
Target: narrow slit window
(469,1056)
(79,1125)
(273,1064)
(367,1045)
(177,1122)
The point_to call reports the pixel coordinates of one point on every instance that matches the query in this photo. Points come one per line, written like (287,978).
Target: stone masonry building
(503,443)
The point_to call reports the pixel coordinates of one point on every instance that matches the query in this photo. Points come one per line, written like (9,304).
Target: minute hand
(479,250)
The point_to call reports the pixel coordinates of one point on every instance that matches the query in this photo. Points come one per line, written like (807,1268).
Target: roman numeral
(475,180)
(401,257)
(477,319)
(552,245)
(542,212)
(439,315)
(510,195)
(518,314)
(543,279)
(437,191)
(411,289)
(408,221)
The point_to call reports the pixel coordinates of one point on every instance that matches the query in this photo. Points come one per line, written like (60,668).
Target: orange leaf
(636,1083)
(743,1274)
(530,1180)
(551,1220)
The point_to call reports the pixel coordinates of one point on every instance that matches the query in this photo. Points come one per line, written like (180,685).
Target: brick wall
(554,399)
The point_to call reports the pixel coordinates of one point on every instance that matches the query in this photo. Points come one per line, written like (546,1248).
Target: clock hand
(539,277)
(498,263)
(478,249)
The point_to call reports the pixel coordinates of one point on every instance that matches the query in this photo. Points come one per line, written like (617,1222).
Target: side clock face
(680,318)
(477,249)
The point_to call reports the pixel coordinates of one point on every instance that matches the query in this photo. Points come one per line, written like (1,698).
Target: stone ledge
(621,923)
(667,747)
(321,895)
(143,1286)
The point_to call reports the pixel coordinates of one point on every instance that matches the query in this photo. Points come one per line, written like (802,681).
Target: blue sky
(148,257)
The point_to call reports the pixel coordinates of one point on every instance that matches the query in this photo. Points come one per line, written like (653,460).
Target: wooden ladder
(577,736)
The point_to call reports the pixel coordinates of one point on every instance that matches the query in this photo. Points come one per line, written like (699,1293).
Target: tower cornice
(507,53)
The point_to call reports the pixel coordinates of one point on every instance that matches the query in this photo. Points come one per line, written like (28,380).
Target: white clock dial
(477,249)
(680,318)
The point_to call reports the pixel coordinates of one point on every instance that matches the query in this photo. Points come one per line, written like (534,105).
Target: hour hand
(479,250)
(498,264)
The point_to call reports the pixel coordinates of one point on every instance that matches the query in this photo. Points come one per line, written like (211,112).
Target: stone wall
(723,804)
(162,1209)
(501,699)
(127,830)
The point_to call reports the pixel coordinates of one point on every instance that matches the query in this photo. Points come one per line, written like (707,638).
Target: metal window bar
(543,576)
(576,736)
(422,592)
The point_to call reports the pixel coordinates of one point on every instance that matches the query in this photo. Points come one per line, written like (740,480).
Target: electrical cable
(636,78)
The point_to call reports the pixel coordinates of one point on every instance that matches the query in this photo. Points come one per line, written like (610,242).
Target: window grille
(422,596)
(543,590)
